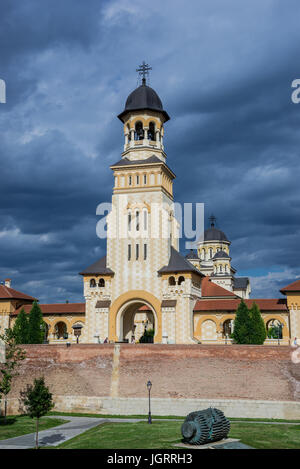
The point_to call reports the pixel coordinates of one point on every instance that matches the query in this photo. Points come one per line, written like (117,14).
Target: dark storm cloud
(224,73)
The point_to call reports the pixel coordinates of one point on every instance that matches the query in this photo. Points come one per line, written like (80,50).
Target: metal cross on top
(143,71)
(212,220)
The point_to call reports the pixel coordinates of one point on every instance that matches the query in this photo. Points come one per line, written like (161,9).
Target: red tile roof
(211,289)
(295,286)
(11,294)
(144,308)
(55,308)
(232,305)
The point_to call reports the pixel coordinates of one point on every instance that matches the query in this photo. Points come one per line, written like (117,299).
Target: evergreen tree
(9,369)
(242,325)
(38,402)
(258,329)
(36,327)
(21,328)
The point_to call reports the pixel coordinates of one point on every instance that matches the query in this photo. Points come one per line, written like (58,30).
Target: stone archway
(61,330)
(137,297)
(135,318)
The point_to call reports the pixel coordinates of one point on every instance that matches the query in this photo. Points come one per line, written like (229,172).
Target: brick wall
(176,371)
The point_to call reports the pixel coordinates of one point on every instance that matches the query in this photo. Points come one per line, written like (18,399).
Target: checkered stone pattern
(295,322)
(139,274)
(169,325)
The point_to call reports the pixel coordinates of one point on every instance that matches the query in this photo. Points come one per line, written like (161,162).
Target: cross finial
(143,71)
(212,220)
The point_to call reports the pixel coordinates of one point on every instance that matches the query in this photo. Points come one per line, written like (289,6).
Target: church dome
(221,255)
(213,234)
(143,97)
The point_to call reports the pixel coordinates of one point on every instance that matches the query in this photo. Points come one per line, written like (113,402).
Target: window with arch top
(151,131)
(92,283)
(102,282)
(139,131)
(180,280)
(172,281)
(145,219)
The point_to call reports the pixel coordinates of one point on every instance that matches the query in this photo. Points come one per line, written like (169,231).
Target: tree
(38,402)
(258,329)
(147,337)
(242,325)
(36,327)
(21,328)
(13,356)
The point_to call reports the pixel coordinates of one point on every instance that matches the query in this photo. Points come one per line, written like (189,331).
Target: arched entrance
(61,330)
(274,329)
(136,322)
(137,297)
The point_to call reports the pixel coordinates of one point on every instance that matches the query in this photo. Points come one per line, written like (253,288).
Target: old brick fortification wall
(176,371)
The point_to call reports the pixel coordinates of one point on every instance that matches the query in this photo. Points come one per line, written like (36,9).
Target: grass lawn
(161,417)
(163,435)
(21,425)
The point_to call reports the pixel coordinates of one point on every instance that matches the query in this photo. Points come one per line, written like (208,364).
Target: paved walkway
(53,436)
(75,426)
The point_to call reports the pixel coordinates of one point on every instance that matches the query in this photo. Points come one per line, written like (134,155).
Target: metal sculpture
(205,426)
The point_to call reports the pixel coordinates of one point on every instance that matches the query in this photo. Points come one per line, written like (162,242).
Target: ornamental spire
(212,220)
(144,71)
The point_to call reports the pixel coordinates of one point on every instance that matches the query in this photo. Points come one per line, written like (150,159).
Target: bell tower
(143,118)
(141,227)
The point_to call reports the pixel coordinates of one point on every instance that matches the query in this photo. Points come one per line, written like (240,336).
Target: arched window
(203,254)
(139,132)
(61,330)
(151,131)
(180,280)
(129,221)
(211,253)
(172,281)
(102,282)
(145,219)
(137,220)
(145,179)
(221,270)
(129,133)
(92,283)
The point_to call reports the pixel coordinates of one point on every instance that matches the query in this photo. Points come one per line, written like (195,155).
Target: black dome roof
(143,97)
(221,255)
(213,234)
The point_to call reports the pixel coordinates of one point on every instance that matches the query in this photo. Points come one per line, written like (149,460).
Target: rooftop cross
(212,220)
(143,71)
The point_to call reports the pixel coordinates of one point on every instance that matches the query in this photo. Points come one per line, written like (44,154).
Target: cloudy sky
(223,70)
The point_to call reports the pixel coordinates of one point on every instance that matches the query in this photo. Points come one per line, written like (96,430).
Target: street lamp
(77,331)
(149,386)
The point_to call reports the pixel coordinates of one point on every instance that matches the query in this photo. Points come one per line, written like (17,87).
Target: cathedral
(144,289)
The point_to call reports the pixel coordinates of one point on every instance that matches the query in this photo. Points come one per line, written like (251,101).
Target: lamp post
(77,331)
(149,386)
